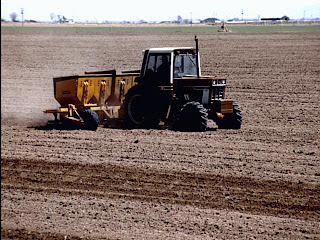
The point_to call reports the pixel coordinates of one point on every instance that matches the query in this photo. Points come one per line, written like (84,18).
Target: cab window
(185,64)
(158,68)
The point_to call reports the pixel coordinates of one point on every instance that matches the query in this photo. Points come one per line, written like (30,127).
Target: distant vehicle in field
(168,89)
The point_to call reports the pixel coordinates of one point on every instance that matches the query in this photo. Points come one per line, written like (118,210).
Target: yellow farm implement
(92,98)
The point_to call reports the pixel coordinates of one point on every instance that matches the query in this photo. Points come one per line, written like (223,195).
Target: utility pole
(22,16)
(242,13)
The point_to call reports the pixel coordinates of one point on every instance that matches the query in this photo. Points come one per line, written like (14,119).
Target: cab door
(158,77)
(158,69)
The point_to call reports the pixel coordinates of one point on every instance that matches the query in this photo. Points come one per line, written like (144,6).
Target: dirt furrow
(22,233)
(201,190)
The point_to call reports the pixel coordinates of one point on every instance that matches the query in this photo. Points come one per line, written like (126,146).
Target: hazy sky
(134,10)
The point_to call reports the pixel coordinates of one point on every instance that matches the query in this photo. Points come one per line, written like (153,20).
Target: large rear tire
(91,119)
(139,111)
(231,120)
(193,117)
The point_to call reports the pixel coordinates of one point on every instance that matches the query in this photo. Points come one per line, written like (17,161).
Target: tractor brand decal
(65,92)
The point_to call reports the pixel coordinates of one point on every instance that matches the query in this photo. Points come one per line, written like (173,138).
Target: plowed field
(262,181)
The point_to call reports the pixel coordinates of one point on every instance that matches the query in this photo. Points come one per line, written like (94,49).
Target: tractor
(167,91)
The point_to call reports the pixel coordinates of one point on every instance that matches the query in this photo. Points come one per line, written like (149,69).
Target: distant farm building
(284,18)
(68,20)
(211,20)
(234,20)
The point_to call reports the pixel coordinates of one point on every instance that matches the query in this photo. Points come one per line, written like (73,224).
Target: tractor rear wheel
(193,117)
(232,120)
(90,118)
(139,111)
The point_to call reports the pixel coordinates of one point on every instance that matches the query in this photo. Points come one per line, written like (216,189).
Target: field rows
(261,181)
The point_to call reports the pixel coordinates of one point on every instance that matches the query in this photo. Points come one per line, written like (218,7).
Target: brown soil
(262,181)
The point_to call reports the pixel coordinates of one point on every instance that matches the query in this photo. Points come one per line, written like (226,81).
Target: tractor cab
(162,65)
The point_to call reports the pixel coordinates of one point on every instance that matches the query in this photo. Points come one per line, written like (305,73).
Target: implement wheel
(91,119)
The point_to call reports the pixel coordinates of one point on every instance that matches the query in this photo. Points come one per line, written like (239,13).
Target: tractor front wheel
(231,120)
(193,117)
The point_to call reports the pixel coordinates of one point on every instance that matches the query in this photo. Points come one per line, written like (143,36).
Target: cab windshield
(185,64)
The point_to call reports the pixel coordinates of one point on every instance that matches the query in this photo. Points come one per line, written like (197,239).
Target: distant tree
(186,21)
(53,17)
(179,19)
(13,17)
(61,18)
(141,21)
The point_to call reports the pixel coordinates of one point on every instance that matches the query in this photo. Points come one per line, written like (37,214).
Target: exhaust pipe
(197,55)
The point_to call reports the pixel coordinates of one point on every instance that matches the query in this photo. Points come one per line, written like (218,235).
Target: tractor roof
(168,49)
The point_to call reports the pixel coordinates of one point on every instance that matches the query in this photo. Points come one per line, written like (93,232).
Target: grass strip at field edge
(171,29)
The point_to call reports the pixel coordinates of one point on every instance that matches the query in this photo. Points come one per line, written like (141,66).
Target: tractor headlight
(223,81)
(214,82)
